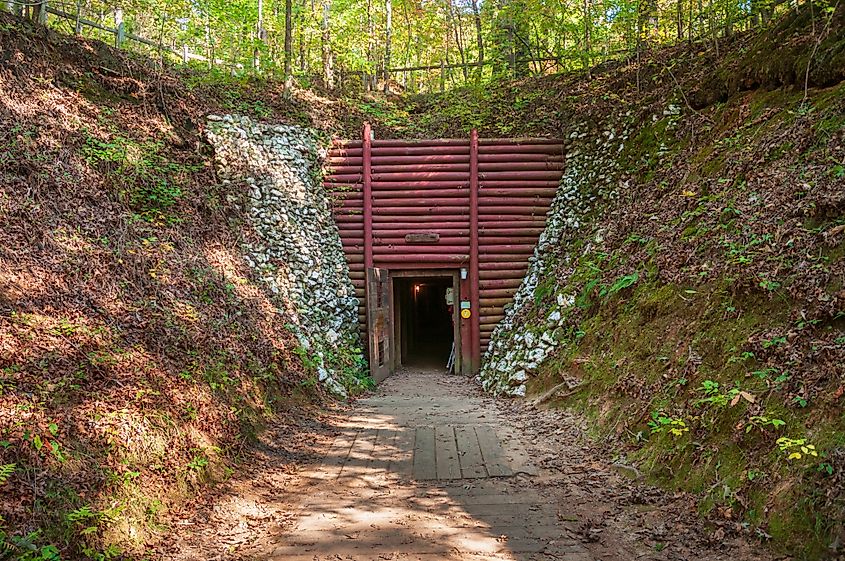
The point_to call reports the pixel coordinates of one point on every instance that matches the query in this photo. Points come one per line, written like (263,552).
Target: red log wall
(486,199)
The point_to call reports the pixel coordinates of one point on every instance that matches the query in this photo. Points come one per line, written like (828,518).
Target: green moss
(648,350)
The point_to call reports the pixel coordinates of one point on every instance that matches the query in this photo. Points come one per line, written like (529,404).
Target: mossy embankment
(698,312)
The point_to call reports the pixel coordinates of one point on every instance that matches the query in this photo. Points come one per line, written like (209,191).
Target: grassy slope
(137,354)
(731,223)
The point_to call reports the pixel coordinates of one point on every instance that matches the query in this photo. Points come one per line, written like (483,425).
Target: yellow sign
(465,313)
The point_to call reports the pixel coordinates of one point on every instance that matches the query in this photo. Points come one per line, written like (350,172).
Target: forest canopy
(413,45)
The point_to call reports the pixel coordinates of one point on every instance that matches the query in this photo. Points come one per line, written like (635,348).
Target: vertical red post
(367,146)
(475,326)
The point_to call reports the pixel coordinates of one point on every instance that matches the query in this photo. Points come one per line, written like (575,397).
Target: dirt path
(431,468)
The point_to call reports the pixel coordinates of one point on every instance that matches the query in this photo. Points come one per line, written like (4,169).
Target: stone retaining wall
(296,249)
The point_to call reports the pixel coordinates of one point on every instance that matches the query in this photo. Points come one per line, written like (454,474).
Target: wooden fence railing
(42,10)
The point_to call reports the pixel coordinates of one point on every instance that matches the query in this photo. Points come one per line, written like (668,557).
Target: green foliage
(662,423)
(6,471)
(26,548)
(796,448)
(620,284)
(150,182)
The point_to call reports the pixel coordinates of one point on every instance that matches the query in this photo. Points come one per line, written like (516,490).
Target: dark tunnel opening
(426,320)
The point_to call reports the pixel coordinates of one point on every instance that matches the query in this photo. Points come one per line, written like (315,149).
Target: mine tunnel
(425,320)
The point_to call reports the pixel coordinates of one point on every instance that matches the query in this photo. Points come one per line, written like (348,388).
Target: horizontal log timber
(419,150)
(509,266)
(421,194)
(489,310)
(520,166)
(404,185)
(493,320)
(422,168)
(340,169)
(511,184)
(420,159)
(350,178)
(504,157)
(546,193)
(384,240)
(515,201)
(344,160)
(489,302)
(511,221)
(347,203)
(508,240)
(357,275)
(508,274)
(410,249)
(526,211)
(519,141)
(521,149)
(430,176)
(404,211)
(346,196)
(346,153)
(498,292)
(391,232)
(339,188)
(420,219)
(459,201)
(497,258)
(509,232)
(349,218)
(501,283)
(507,250)
(420,259)
(486,176)
(382,142)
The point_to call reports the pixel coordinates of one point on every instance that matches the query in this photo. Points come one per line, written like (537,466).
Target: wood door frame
(396,310)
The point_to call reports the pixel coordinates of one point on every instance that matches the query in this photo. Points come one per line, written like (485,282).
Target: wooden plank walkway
(443,452)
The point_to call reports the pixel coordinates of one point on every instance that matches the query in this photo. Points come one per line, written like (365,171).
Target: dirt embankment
(139,356)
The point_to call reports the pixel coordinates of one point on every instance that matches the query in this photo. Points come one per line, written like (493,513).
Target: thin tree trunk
(680,21)
(388,35)
(301,36)
(479,37)
(587,37)
(288,43)
(459,32)
(328,55)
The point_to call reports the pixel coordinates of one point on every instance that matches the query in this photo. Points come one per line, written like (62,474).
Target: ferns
(6,471)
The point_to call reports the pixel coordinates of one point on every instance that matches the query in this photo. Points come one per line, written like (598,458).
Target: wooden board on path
(491,450)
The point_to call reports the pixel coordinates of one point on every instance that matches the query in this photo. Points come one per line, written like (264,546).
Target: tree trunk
(370,55)
(388,35)
(680,22)
(301,36)
(587,37)
(459,33)
(479,38)
(288,43)
(259,27)
(328,55)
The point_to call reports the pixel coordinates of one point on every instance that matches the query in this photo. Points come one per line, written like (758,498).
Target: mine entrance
(476,206)
(425,319)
